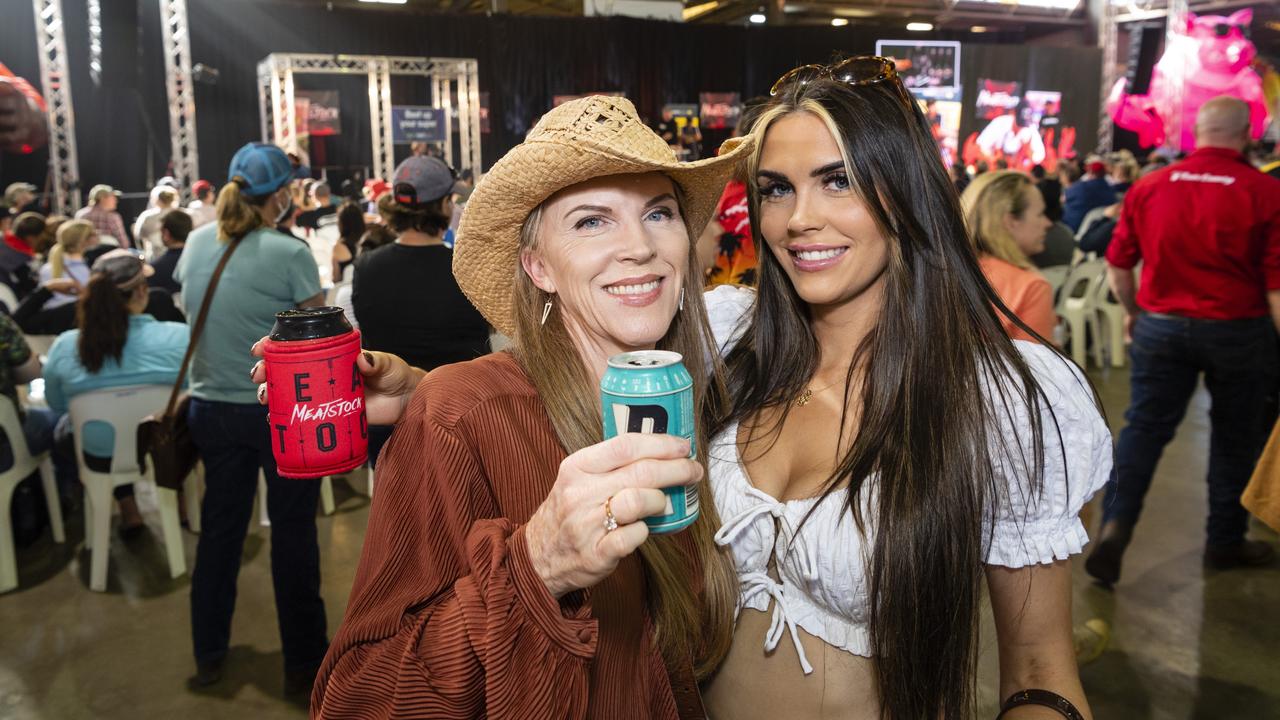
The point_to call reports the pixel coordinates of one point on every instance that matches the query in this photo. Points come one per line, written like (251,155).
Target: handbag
(167,438)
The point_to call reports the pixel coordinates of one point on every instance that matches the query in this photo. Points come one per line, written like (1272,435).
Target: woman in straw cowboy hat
(888,445)
(500,575)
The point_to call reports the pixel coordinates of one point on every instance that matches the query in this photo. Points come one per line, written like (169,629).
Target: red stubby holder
(315,394)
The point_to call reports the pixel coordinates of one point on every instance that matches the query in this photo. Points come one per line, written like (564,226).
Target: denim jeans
(234,441)
(1238,359)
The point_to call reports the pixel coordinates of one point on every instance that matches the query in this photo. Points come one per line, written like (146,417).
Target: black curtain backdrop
(123,132)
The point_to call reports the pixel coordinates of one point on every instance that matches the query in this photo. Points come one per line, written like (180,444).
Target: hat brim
(486,252)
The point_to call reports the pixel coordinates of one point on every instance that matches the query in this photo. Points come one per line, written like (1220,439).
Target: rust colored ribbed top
(447,617)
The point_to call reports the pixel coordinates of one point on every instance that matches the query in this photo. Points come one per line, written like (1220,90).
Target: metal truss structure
(176,43)
(1109,33)
(451,79)
(55,84)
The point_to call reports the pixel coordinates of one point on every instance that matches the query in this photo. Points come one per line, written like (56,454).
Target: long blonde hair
(987,201)
(73,236)
(689,616)
(237,213)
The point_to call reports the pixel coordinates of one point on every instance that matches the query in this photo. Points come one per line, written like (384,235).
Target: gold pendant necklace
(808,394)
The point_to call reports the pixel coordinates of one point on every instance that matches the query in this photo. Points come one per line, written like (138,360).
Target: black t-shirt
(311,218)
(164,267)
(666,130)
(408,303)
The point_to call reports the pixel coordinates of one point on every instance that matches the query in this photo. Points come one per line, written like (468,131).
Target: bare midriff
(753,683)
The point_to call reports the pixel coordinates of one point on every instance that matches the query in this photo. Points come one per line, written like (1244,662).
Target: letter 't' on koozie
(315,394)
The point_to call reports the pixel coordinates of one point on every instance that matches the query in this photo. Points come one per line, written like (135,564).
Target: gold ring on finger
(610,522)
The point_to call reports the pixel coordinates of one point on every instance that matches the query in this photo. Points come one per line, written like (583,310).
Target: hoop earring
(681,299)
(546,310)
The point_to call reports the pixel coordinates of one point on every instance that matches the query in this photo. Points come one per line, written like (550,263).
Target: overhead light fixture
(839,22)
(757,18)
(694,12)
(979,29)
(386,2)
(919,27)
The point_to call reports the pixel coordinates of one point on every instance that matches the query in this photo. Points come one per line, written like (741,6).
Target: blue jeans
(1238,359)
(235,442)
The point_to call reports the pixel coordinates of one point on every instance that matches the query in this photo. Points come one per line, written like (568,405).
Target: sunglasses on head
(860,70)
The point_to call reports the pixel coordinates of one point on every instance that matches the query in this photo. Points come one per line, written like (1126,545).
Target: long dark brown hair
(934,377)
(103,319)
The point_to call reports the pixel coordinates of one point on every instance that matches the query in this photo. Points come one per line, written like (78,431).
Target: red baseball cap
(1097,167)
(199,187)
(376,188)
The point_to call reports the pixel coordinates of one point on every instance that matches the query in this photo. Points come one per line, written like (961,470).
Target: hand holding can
(315,394)
(650,391)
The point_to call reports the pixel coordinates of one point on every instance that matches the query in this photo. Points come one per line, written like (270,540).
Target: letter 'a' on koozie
(315,394)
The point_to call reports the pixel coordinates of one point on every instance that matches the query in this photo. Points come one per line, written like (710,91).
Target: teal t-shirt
(152,354)
(269,272)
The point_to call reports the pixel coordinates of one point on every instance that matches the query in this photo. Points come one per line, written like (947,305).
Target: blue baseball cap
(263,167)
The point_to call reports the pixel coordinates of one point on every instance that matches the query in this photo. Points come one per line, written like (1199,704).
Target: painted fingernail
(262,393)
(254,370)
(368,357)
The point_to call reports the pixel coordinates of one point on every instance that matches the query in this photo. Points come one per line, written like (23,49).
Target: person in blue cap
(268,273)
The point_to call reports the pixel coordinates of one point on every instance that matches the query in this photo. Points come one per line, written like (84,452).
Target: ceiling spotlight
(979,29)
(839,22)
(757,18)
(919,27)
(386,2)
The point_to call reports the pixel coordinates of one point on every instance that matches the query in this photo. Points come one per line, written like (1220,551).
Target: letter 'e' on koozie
(315,394)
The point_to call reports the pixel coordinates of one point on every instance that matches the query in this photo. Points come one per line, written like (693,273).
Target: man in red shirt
(1207,231)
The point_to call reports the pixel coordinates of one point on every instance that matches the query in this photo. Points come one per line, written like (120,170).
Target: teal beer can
(650,391)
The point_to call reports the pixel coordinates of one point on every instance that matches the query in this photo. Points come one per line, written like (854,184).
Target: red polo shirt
(1207,231)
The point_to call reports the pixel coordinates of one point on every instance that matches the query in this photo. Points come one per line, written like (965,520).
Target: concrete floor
(1187,644)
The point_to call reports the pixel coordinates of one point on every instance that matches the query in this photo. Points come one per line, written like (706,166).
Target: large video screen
(929,68)
(1022,129)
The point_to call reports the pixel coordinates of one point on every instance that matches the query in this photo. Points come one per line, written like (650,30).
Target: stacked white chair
(124,409)
(24,463)
(1111,313)
(1077,307)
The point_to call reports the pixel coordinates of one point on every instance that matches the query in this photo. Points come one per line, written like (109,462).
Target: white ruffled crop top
(822,586)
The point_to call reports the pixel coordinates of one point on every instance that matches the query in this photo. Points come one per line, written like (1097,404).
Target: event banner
(317,112)
(417,123)
(720,110)
(1022,129)
(929,68)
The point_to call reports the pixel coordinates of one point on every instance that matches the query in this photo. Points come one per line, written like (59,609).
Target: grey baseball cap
(11,192)
(420,180)
(97,191)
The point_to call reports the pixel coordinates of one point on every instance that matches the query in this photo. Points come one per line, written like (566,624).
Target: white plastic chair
(123,408)
(1111,315)
(40,344)
(326,498)
(8,298)
(1076,307)
(1056,275)
(24,463)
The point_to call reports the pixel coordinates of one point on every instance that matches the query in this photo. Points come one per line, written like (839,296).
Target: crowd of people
(860,487)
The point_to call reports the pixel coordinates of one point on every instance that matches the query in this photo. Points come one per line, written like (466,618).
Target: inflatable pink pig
(1212,57)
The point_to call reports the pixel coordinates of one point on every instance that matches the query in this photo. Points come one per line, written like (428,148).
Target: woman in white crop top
(889,448)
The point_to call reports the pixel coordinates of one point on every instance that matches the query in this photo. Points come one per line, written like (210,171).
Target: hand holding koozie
(315,394)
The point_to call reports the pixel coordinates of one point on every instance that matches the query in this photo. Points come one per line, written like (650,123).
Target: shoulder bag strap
(198,328)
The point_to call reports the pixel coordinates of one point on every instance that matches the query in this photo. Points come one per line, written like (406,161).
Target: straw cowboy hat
(587,138)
